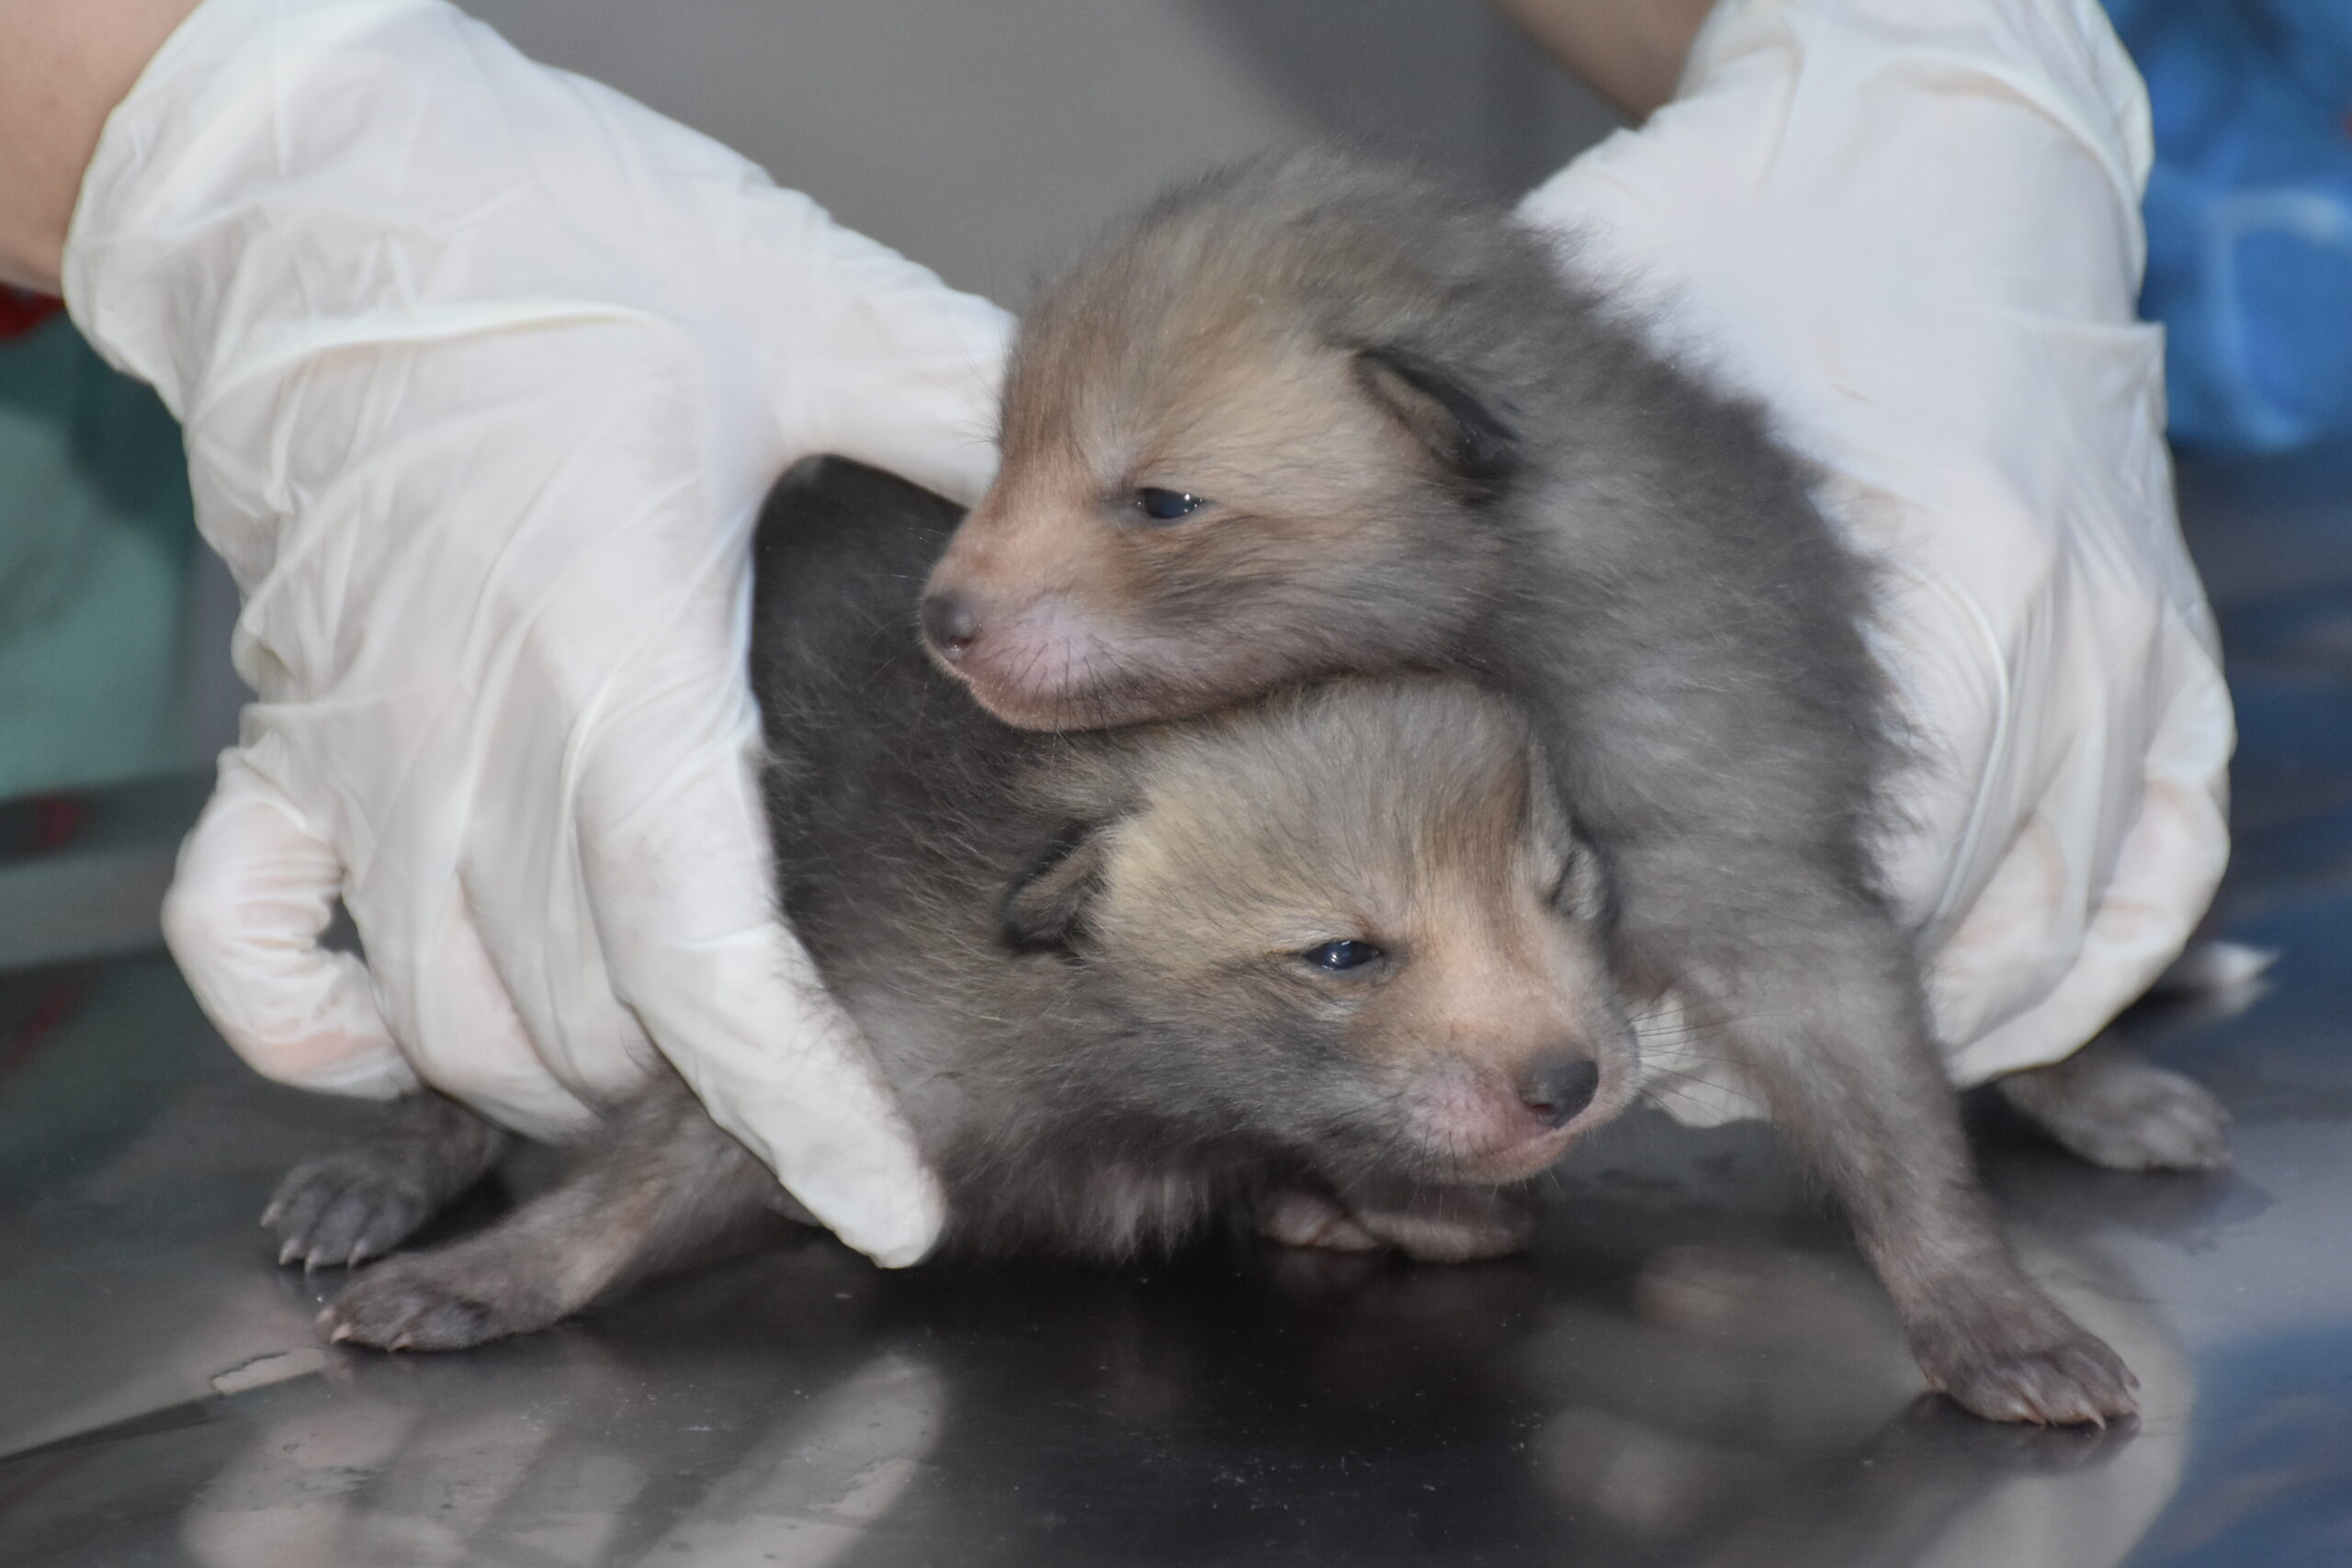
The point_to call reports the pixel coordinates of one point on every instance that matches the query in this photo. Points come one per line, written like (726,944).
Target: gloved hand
(484,370)
(1911,230)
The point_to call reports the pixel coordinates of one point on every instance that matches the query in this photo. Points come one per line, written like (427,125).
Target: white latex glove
(1911,229)
(484,371)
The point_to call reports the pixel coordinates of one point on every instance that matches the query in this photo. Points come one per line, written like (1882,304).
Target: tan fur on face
(1090,613)
(1418,827)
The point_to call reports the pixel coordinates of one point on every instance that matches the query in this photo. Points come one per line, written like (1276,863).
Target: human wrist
(1630,51)
(63,71)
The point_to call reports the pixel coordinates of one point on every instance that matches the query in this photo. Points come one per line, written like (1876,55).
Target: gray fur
(1626,553)
(1047,941)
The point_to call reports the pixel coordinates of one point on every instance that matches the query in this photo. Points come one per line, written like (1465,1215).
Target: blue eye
(1337,955)
(1167,505)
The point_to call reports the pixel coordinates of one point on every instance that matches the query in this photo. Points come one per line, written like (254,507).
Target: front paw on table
(2078,1381)
(341,1209)
(412,1304)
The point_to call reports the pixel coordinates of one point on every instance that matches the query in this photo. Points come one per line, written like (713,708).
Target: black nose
(949,624)
(1560,1087)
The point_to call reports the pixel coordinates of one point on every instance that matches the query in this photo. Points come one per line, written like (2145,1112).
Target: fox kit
(1306,417)
(1329,963)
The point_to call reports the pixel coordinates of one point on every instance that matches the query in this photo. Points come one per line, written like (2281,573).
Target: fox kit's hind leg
(1431,1224)
(2112,1108)
(362,1201)
(1834,1033)
(659,1184)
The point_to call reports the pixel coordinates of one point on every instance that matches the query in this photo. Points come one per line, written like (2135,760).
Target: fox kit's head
(1349,923)
(1241,446)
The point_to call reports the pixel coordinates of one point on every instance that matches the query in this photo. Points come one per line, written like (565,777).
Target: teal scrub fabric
(96,529)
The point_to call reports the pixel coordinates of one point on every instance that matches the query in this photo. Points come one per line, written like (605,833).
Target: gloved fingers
(676,856)
(255,890)
(527,919)
(870,355)
(464,1033)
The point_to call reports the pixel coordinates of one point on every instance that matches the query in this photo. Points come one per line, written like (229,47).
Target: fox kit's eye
(1339,955)
(1167,505)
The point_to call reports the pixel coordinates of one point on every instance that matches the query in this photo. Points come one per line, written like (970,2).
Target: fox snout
(1479,1122)
(1555,1088)
(950,626)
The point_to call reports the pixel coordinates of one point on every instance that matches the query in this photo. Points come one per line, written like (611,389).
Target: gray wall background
(989,139)
(986,138)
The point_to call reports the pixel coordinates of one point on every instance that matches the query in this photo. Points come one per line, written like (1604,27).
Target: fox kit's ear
(1583,892)
(1045,907)
(1438,410)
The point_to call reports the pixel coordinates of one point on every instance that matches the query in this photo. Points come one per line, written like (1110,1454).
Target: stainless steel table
(1692,1366)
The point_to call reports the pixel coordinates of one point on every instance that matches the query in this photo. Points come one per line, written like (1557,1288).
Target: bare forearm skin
(1631,52)
(64,64)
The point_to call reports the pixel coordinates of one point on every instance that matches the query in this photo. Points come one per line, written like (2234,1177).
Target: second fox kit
(1329,964)
(1304,417)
